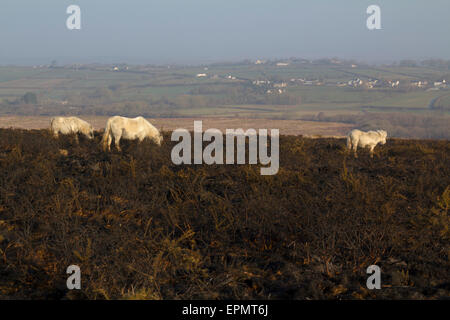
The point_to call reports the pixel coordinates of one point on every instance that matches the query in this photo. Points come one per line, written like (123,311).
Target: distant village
(279,87)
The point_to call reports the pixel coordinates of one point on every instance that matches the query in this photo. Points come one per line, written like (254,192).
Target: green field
(163,82)
(226,91)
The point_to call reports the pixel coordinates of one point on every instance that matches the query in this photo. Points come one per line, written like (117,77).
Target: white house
(355,83)
(419,83)
(440,84)
(394,84)
(261,82)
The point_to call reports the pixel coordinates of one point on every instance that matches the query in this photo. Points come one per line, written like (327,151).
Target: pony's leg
(355,147)
(349,143)
(371,151)
(76,138)
(117,143)
(109,142)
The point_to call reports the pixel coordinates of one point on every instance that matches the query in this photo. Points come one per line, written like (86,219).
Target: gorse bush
(141,227)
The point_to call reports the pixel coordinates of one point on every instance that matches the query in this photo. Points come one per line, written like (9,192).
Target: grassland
(176,91)
(141,227)
(139,83)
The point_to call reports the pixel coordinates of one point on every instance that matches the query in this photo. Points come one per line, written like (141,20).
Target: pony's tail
(106,135)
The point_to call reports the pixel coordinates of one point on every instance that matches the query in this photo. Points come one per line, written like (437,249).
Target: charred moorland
(141,227)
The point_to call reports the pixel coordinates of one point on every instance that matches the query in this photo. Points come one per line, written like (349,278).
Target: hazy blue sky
(202,31)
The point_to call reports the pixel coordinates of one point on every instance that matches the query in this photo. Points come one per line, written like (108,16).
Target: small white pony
(129,128)
(357,138)
(68,125)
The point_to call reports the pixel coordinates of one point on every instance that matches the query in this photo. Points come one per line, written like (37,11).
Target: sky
(206,31)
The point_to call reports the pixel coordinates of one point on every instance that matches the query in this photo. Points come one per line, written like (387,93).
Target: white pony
(129,128)
(69,125)
(357,138)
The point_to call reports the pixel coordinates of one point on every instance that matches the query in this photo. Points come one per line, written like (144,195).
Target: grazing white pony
(357,138)
(69,125)
(129,128)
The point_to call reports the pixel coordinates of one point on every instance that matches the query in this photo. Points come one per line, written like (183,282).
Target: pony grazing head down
(118,127)
(357,138)
(71,125)
(159,139)
(383,135)
(87,130)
